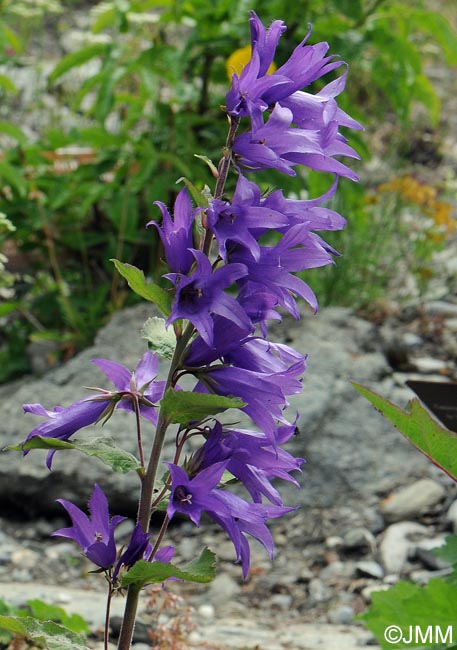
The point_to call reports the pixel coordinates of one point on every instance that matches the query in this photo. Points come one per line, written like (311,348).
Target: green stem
(147,486)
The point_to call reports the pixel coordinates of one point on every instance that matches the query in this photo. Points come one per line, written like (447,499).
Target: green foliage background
(130,106)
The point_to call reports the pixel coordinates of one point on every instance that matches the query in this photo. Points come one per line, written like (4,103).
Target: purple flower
(176,233)
(139,386)
(236,221)
(250,457)
(194,496)
(278,145)
(62,423)
(202,294)
(95,535)
(298,250)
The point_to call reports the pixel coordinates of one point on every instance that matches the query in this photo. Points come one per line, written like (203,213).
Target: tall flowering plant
(232,269)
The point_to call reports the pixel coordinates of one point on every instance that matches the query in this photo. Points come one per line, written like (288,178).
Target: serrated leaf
(200,570)
(420,428)
(137,282)
(43,611)
(181,407)
(160,340)
(53,635)
(75,59)
(412,607)
(102,447)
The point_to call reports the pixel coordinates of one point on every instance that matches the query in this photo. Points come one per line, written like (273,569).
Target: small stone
(281,601)
(429,365)
(319,592)
(391,579)
(206,611)
(343,615)
(412,501)
(397,544)
(451,515)
(370,568)
(441,308)
(359,538)
(222,589)
(411,340)
(25,558)
(334,542)
(423,577)
(337,570)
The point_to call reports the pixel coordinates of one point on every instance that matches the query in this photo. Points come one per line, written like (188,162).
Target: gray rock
(370,568)
(441,308)
(319,592)
(429,365)
(412,501)
(398,543)
(343,615)
(221,590)
(451,515)
(359,538)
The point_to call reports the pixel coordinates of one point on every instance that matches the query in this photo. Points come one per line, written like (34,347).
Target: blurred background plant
(104,106)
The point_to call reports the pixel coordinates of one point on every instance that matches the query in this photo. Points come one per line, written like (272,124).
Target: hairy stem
(147,487)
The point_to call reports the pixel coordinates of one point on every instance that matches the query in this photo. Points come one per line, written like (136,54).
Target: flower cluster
(227,285)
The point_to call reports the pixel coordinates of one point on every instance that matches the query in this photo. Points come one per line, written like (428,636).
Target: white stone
(412,501)
(397,544)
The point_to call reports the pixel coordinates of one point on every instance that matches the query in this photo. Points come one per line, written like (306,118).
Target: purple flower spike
(95,535)
(202,294)
(176,233)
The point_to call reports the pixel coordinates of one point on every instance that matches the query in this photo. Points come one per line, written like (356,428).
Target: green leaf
(200,570)
(412,607)
(43,611)
(53,635)
(11,175)
(181,407)
(160,340)
(199,196)
(102,447)
(13,131)
(75,59)
(137,282)
(420,428)
(7,84)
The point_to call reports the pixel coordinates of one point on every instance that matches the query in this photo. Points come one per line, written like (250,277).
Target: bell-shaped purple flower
(236,221)
(202,294)
(237,517)
(176,232)
(95,535)
(132,389)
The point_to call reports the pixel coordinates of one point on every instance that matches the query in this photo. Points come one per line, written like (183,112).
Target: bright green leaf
(7,84)
(13,131)
(200,570)
(53,635)
(181,407)
(43,611)
(420,428)
(137,282)
(11,175)
(75,59)
(160,339)
(412,607)
(102,447)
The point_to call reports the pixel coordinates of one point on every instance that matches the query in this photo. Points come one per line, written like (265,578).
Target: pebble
(451,515)
(429,365)
(25,558)
(221,590)
(334,542)
(412,501)
(359,538)
(396,544)
(206,611)
(441,308)
(319,592)
(422,577)
(282,601)
(343,615)
(370,568)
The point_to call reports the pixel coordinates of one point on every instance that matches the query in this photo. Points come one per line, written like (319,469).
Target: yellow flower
(239,59)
